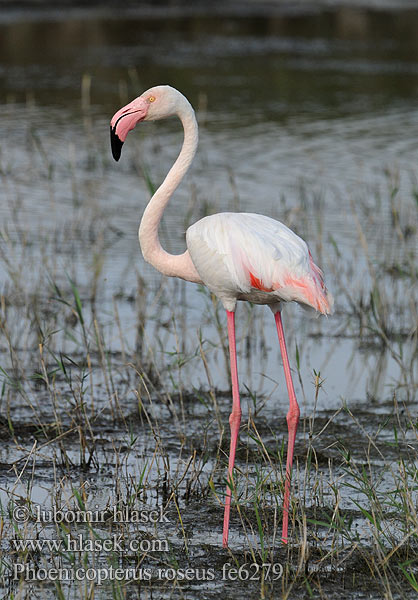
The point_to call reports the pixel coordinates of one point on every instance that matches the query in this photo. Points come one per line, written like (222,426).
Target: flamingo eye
(151,99)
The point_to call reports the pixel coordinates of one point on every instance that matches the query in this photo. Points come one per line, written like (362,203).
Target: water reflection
(346,56)
(303,117)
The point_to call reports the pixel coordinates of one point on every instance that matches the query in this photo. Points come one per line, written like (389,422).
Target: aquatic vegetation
(114,419)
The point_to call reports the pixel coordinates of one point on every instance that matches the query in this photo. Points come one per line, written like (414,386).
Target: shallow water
(311,119)
(306,114)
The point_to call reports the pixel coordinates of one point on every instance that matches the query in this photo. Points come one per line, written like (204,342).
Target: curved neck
(168,264)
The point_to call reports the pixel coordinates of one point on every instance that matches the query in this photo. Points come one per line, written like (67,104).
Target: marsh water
(311,109)
(308,117)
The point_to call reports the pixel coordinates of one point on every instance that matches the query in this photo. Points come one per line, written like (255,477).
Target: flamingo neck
(170,264)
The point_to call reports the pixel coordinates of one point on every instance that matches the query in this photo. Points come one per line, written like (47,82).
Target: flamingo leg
(292,424)
(234,421)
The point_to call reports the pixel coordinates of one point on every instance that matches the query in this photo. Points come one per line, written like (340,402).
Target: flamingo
(238,256)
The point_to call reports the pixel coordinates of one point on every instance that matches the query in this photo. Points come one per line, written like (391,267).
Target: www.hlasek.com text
(79,543)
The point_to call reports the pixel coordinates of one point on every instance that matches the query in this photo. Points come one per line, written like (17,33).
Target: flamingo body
(238,256)
(247,256)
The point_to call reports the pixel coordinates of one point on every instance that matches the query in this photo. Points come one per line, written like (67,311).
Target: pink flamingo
(238,256)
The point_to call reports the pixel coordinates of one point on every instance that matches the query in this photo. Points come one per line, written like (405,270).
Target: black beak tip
(115,143)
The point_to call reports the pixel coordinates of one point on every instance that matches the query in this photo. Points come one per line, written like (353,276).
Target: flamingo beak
(123,121)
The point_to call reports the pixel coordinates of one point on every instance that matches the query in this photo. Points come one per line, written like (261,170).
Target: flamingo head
(156,103)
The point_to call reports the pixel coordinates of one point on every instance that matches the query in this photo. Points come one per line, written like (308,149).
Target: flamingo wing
(253,257)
